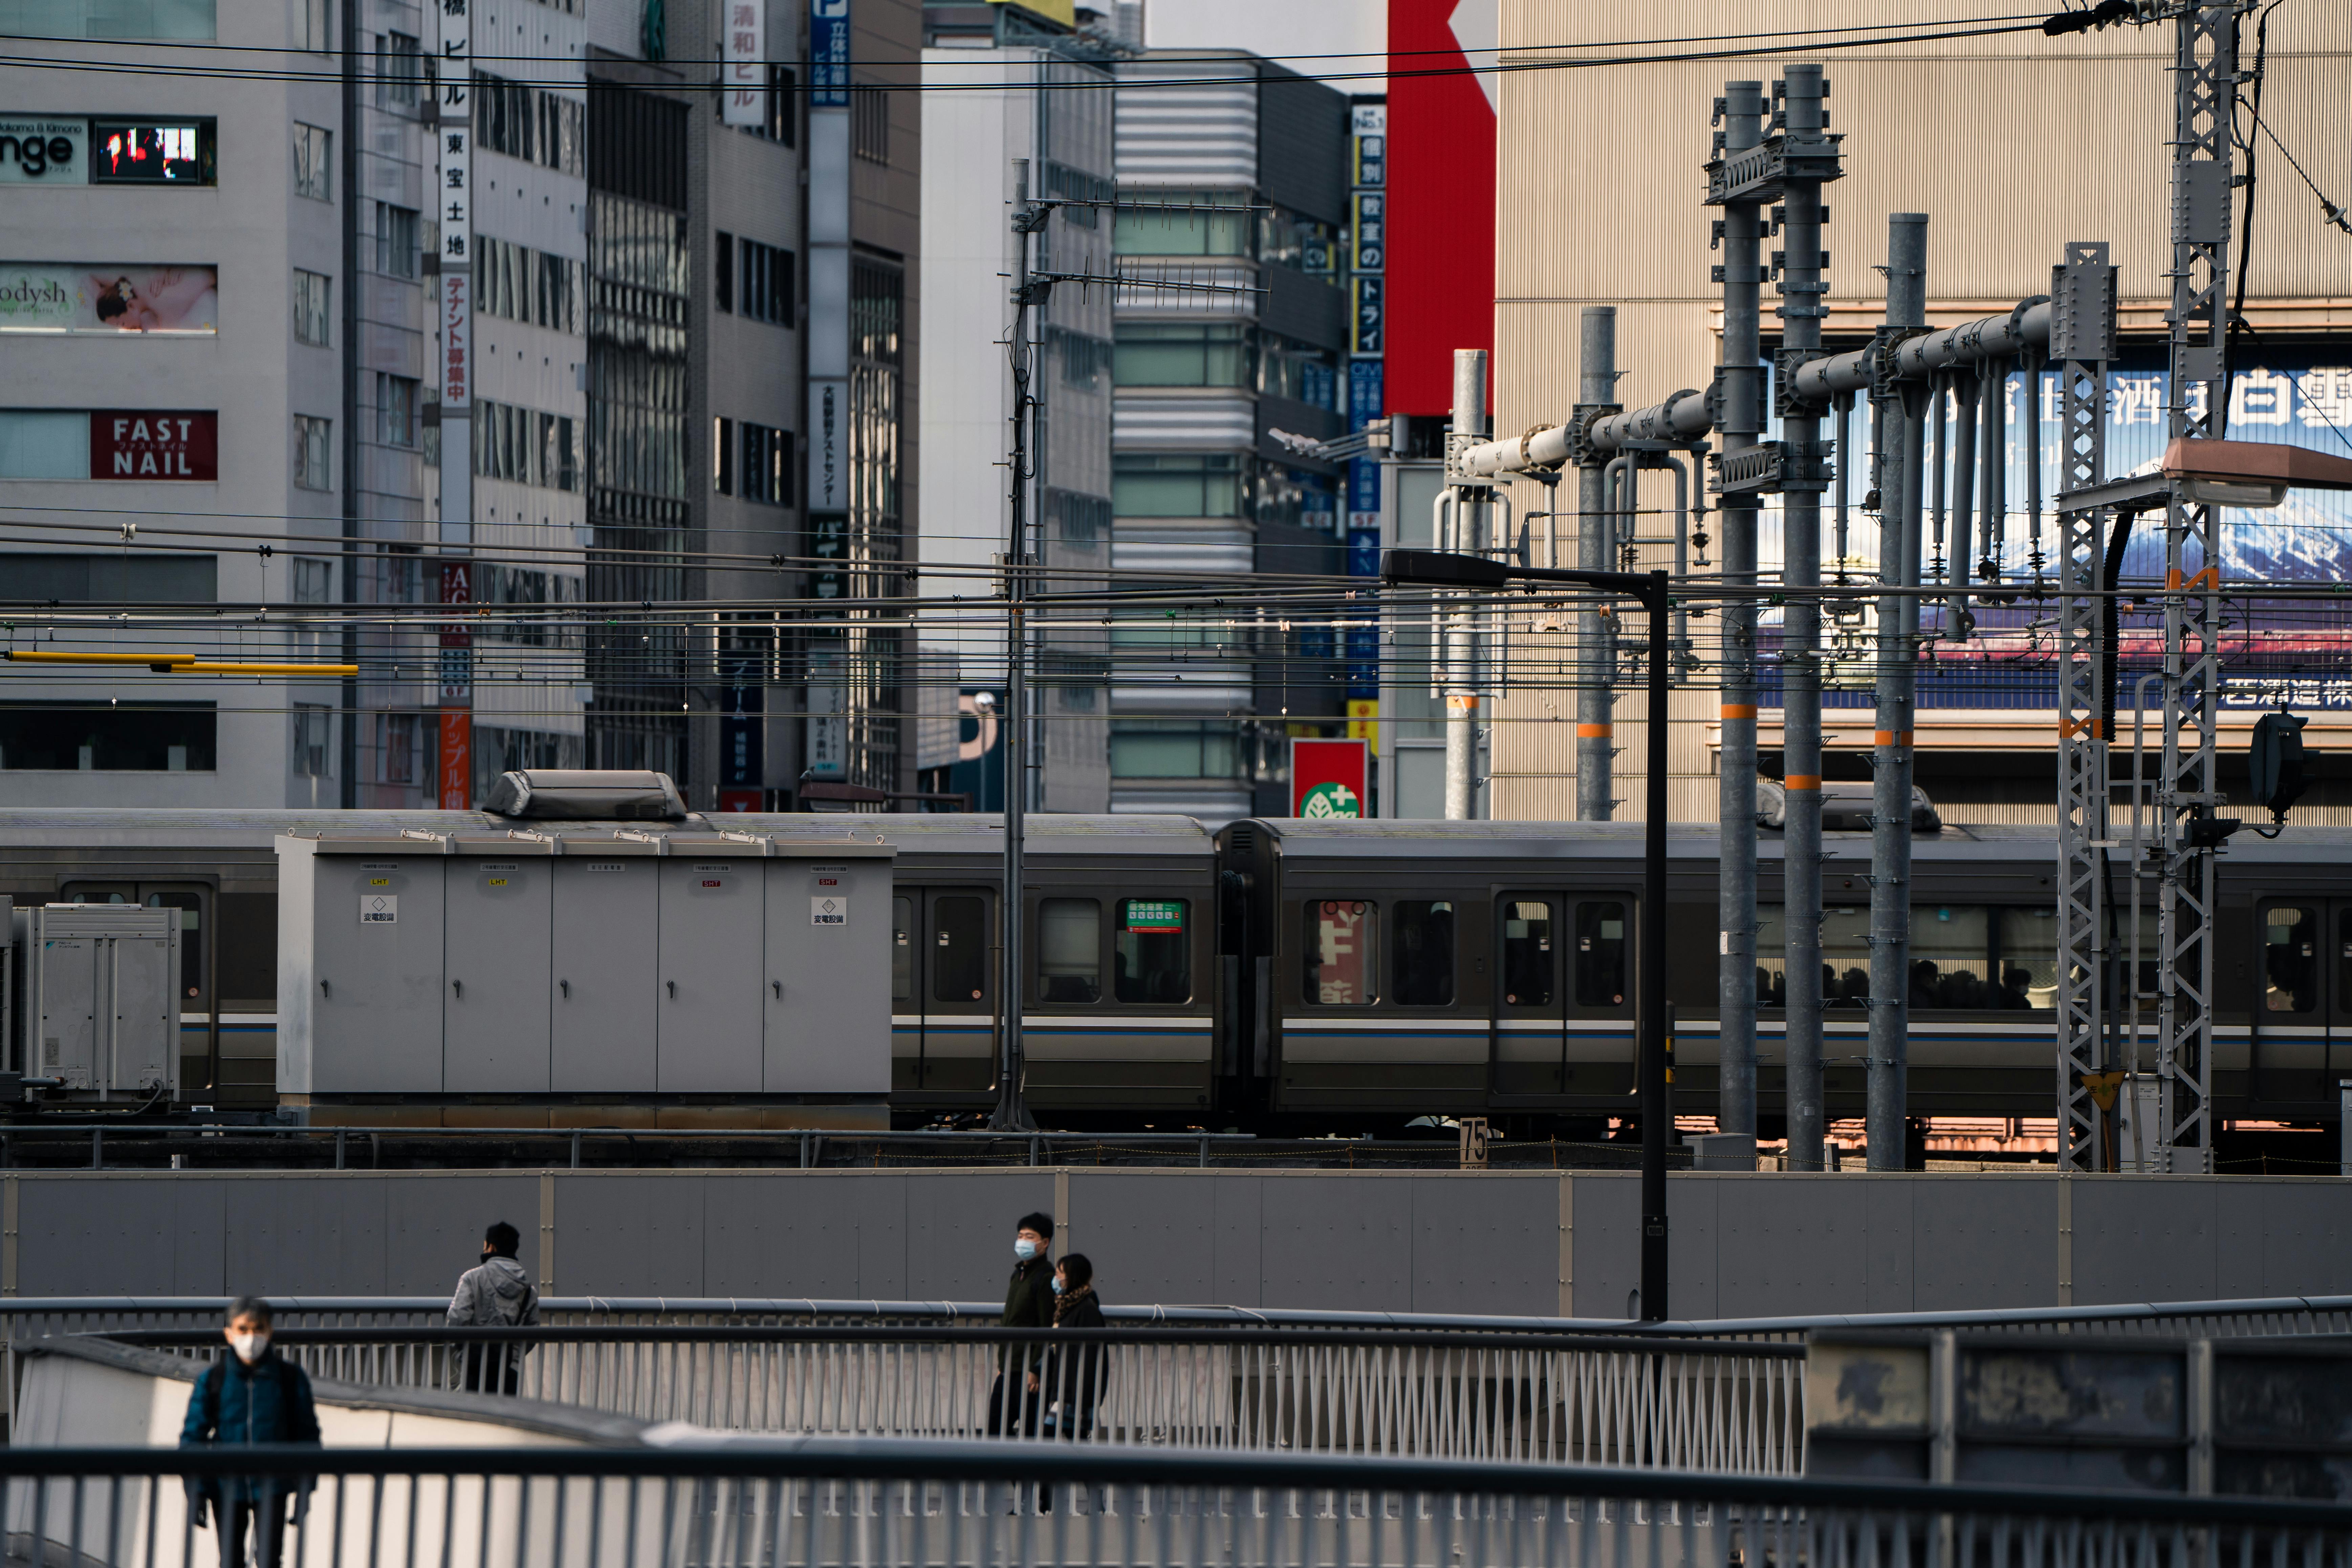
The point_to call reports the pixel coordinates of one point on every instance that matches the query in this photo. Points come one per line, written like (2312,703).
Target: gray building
(1254,160)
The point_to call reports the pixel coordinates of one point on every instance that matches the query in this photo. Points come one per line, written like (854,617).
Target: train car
(1394,970)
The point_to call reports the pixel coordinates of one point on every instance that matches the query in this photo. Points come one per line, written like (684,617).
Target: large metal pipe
(1680,419)
(1902,422)
(1742,424)
(1800,671)
(1967,387)
(1598,388)
(1970,343)
(1461,620)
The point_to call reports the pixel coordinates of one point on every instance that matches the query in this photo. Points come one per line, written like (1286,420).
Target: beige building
(2014,144)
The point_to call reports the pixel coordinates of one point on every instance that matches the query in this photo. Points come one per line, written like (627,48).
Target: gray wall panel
(1693,1241)
(1888,1234)
(959,1230)
(1338,1238)
(433,1226)
(1479,1249)
(323,1237)
(2284,1239)
(1984,1242)
(774,1235)
(1151,1237)
(2141,1239)
(1241,1241)
(1780,1254)
(629,1233)
(1608,1243)
(103,1237)
(199,1242)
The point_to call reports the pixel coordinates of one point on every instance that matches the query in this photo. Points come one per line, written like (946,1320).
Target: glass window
(1601,954)
(1069,950)
(1185,233)
(902,949)
(1341,948)
(311,292)
(313,741)
(1171,749)
(2029,959)
(1153,953)
(192,940)
(1845,956)
(1188,354)
(314,163)
(399,68)
(2290,959)
(1528,957)
(1176,486)
(960,949)
(313,452)
(1951,956)
(147,737)
(396,240)
(395,410)
(1421,935)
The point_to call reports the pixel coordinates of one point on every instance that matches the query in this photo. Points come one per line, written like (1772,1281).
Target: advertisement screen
(100,297)
(154,444)
(178,153)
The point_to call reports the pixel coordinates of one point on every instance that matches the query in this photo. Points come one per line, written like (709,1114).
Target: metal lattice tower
(2205,92)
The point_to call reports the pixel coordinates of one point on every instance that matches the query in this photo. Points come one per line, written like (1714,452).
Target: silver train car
(1291,975)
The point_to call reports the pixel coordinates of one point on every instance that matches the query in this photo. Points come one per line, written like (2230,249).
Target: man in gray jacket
(497,1294)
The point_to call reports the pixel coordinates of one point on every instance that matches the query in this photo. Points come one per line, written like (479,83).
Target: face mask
(1057,1284)
(1024,1249)
(248,1347)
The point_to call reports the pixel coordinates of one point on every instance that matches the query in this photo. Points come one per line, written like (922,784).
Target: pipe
(1461,638)
(1844,546)
(1682,557)
(1995,456)
(1800,671)
(1681,419)
(1598,388)
(1967,387)
(1742,424)
(1970,343)
(1903,419)
(2029,363)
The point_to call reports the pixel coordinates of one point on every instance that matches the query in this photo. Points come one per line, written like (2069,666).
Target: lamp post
(1441,569)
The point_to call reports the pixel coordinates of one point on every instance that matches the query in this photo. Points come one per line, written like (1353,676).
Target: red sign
(739,800)
(456,783)
(1440,213)
(1328,779)
(148,444)
(456,341)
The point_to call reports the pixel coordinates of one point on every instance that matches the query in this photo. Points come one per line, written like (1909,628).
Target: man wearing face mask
(252,1396)
(497,1294)
(1012,1404)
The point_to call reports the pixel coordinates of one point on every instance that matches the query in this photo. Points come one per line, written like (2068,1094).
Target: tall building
(1240,170)
(1020,84)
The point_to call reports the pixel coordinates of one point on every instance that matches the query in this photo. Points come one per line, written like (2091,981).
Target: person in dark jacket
(495,1295)
(1012,1404)
(1075,1376)
(251,1396)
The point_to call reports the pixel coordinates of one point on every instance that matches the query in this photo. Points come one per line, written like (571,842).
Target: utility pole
(1901,409)
(1740,111)
(1465,501)
(1599,399)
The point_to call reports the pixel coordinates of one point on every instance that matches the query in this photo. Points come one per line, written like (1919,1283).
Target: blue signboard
(828,54)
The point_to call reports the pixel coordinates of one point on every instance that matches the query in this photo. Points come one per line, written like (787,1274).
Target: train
(1335,975)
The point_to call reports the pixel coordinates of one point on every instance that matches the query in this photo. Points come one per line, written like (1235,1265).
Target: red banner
(1439,287)
(1326,779)
(457,783)
(166,444)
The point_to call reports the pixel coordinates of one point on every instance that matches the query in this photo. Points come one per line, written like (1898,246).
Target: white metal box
(98,1002)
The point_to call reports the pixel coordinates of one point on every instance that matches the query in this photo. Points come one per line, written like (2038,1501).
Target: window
(722,255)
(1302,244)
(314,163)
(395,410)
(1528,957)
(1174,749)
(1069,950)
(960,950)
(2290,960)
(182,20)
(782,105)
(560,466)
(1176,486)
(313,740)
(723,456)
(135,736)
(765,474)
(1169,354)
(558,303)
(107,576)
(503,120)
(869,123)
(1601,954)
(1952,961)
(141,152)
(312,291)
(44,444)
(1083,358)
(902,949)
(1341,949)
(1300,371)
(314,581)
(2029,959)
(764,284)
(1153,953)
(313,26)
(1078,186)
(1420,935)
(1190,233)
(397,744)
(313,454)
(1077,520)
(399,68)
(396,240)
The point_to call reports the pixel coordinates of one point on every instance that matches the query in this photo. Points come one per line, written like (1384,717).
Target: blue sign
(1364,392)
(828,54)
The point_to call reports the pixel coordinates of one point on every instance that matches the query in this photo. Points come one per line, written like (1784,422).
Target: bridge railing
(886,1504)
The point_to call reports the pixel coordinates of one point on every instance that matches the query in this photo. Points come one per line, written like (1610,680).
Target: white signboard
(378,908)
(41,150)
(743,83)
(828,910)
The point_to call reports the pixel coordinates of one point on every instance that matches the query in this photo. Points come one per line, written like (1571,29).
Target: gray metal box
(828,967)
(496,936)
(98,1002)
(708,1034)
(607,961)
(361,948)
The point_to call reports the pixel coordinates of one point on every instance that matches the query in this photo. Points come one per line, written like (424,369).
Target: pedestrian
(251,1396)
(1074,1379)
(495,1294)
(1014,1402)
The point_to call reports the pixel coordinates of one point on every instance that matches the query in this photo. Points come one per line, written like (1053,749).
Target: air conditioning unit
(95,1012)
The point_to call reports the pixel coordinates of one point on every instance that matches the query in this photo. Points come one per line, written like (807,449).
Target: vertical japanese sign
(743,88)
(453,220)
(1368,260)
(455,776)
(828,54)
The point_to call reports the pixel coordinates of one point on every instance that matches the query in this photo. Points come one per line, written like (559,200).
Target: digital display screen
(141,152)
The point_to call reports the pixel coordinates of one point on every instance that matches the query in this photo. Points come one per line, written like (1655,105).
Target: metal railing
(816,1504)
(1500,1398)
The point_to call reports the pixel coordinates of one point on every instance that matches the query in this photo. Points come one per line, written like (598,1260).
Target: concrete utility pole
(1598,398)
(1903,419)
(1468,511)
(1741,112)
(1804,120)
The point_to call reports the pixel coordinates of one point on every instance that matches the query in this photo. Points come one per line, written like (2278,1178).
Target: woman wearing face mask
(1075,1376)
(251,1396)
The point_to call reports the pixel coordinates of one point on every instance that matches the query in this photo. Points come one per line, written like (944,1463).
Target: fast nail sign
(154,444)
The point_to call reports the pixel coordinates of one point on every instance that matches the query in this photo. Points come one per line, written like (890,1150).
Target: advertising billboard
(1327,778)
(39,150)
(94,297)
(1438,292)
(152,444)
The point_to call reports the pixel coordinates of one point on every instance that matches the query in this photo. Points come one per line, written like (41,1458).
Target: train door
(1598,970)
(943,983)
(1528,1046)
(199,1017)
(2301,996)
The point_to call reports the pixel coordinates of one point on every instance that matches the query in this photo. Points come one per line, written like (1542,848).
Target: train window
(1527,952)
(1154,954)
(1341,945)
(1951,957)
(191,941)
(1069,950)
(2028,959)
(960,949)
(1601,954)
(1845,956)
(902,949)
(244,962)
(2344,961)
(1421,935)
(2290,959)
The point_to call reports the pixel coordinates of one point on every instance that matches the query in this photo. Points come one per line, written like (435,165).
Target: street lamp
(1444,569)
(2251,473)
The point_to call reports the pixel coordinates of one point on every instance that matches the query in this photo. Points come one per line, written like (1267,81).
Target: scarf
(1064,1303)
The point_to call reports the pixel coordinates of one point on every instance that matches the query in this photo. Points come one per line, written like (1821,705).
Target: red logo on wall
(167,444)
(1326,779)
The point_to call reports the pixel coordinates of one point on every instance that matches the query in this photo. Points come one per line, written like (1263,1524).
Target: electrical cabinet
(708,1034)
(96,997)
(606,968)
(497,941)
(360,942)
(828,963)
